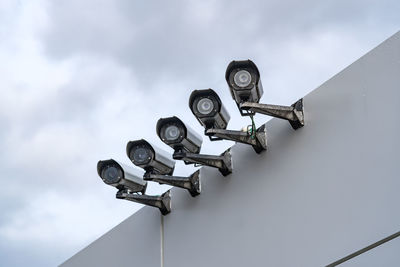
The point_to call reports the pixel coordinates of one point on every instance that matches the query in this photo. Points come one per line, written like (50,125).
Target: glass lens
(141,155)
(172,133)
(111,174)
(242,78)
(205,106)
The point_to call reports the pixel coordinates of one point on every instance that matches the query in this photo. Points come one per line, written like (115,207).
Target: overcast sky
(79,79)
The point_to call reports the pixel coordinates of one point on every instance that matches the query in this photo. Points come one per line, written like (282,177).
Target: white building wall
(317,194)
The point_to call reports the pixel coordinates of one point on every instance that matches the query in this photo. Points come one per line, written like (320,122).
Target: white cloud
(53,217)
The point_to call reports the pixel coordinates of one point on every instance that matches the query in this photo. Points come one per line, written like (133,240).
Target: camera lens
(172,133)
(111,174)
(205,106)
(141,155)
(242,78)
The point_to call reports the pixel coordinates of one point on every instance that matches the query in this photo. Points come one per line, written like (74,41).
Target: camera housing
(187,144)
(149,157)
(207,107)
(244,82)
(173,132)
(129,184)
(215,120)
(159,167)
(121,176)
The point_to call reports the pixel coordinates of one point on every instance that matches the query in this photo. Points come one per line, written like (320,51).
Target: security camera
(173,132)
(207,107)
(121,176)
(187,144)
(149,157)
(244,82)
(159,167)
(129,184)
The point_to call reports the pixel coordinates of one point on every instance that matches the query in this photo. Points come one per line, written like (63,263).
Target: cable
(361,251)
(251,129)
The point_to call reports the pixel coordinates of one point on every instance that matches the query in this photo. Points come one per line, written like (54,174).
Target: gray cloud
(185,39)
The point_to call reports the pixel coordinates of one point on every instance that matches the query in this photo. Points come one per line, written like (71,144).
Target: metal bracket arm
(222,162)
(191,183)
(162,202)
(294,114)
(259,143)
